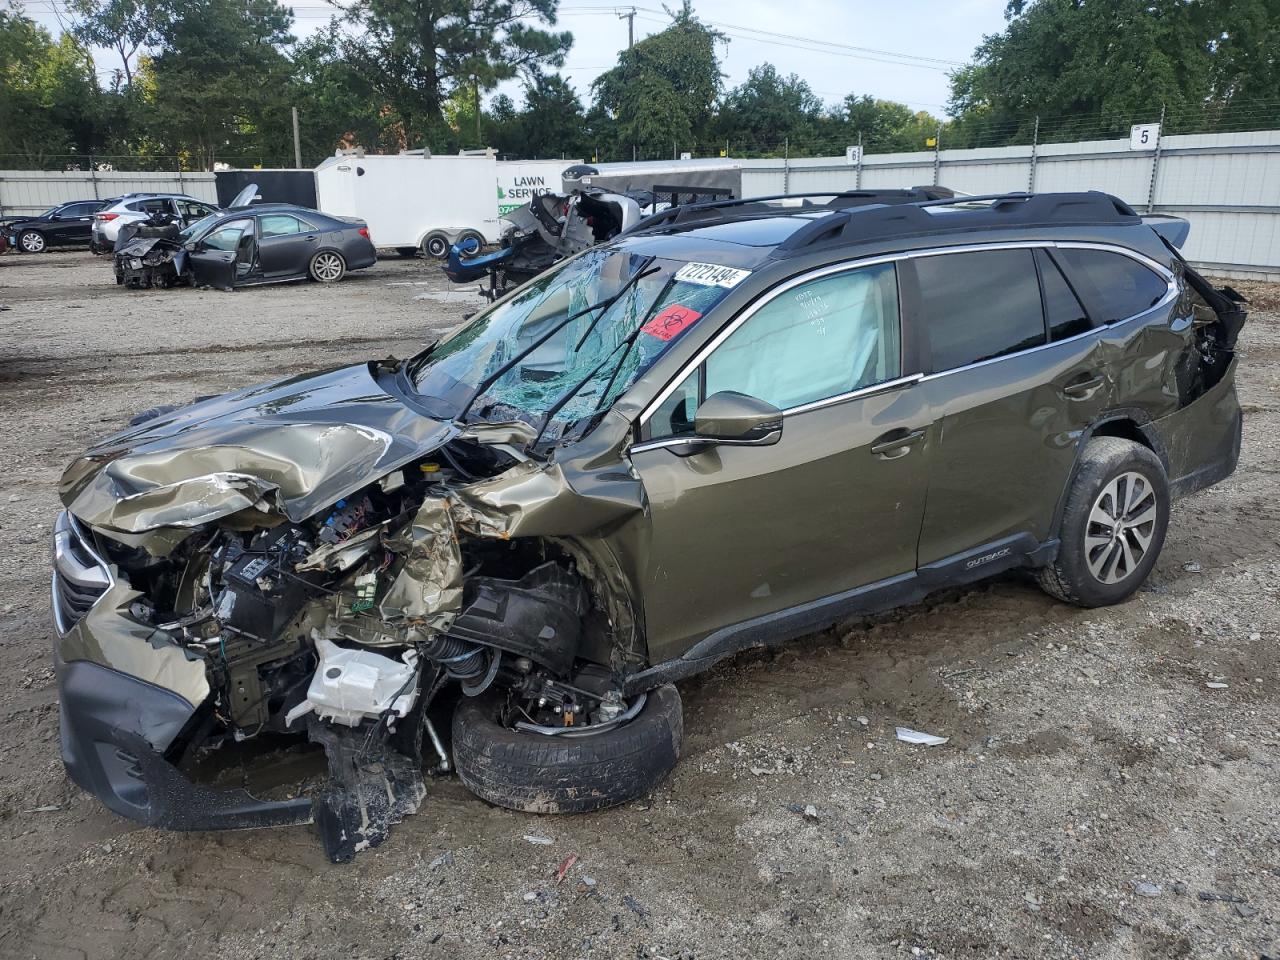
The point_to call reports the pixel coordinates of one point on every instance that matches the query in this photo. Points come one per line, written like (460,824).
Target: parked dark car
(68,224)
(263,243)
(731,425)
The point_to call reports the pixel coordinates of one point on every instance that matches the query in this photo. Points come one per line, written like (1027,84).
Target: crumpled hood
(292,447)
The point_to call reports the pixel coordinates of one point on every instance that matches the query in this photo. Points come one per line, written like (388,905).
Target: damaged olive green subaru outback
(732,425)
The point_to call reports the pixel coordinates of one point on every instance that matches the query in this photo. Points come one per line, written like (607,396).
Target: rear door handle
(1082,388)
(896,443)
(311,239)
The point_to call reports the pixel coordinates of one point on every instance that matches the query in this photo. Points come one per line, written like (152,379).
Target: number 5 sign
(1144,136)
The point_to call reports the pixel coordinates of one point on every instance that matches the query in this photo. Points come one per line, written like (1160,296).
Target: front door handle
(896,443)
(1080,389)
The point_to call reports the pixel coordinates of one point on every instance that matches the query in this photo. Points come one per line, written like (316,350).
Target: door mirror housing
(735,418)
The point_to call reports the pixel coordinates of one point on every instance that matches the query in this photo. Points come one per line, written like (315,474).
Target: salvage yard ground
(1111,787)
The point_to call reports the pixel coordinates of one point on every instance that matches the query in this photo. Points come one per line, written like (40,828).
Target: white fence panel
(27,192)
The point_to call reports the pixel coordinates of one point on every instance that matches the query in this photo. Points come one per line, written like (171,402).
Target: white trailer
(519,181)
(413,201)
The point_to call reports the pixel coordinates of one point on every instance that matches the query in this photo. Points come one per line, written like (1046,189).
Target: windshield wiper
(602,305)
(629,340)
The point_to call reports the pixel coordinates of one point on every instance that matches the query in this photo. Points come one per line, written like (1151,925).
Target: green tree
(418,56)
(50,101)
(768,109)
(124,26)
(663,91)
(336,105)
(1087,69)
(219,86)
(552,123)
(886,126)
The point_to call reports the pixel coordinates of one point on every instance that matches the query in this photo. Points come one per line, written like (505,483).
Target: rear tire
(471,235)
(31,241)
(537,773)
(435,246)
(327,267)
(1113,525)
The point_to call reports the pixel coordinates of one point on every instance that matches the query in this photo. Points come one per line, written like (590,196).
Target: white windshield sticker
(711,275)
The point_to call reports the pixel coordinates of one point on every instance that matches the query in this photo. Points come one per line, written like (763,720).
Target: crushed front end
(208,592)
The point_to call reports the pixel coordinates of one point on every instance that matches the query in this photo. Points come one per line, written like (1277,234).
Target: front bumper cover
(115,730)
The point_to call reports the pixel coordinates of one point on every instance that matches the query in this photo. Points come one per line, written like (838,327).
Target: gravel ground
(1096,798)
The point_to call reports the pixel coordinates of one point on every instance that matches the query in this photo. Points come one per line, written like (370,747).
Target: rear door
(285,245)
(738,533)
(1015,373)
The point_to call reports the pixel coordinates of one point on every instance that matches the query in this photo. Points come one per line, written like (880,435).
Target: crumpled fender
(558,499)
(429,584)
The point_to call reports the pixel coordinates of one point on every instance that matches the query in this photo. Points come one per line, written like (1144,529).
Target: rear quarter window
(979,306)
(1116,287)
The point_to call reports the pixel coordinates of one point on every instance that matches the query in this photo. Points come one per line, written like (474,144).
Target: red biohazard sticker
(670,322)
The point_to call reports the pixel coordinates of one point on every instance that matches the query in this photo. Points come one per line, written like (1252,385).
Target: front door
(1015,376)
(214,260)
(742,532)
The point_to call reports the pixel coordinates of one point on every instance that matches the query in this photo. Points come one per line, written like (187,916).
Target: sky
(891,49)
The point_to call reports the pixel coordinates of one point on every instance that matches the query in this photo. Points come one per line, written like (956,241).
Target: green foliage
(886,126)
(219,87)
(125,26)
(50,104)
(1090,68)
(661,95)
(767,111)
(417,56)
(552,123)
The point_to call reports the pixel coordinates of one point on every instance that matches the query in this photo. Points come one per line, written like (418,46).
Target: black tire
(327,266)
(1072,576)
(435,245)
(535,773)
(31,241)
(475,235)
(407,251)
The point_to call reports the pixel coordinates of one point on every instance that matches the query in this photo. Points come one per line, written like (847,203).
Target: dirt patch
(1087,753)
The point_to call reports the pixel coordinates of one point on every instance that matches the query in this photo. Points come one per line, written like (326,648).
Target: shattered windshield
(569,342)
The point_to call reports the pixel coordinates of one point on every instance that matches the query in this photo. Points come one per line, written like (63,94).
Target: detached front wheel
(548,773)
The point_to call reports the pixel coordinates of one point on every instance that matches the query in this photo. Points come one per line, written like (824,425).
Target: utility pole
(297,142)
(631,26)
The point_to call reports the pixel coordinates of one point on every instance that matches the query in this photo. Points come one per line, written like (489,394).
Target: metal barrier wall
(28,192)
(1227,185)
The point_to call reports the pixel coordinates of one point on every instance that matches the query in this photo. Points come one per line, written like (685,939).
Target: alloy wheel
(327,267)
(1121,525)
(32,242)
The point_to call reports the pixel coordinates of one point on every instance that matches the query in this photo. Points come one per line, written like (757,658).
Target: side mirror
(55,216)
(735,418)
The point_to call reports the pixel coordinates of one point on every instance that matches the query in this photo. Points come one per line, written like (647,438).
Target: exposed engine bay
(348,624)
(148,253)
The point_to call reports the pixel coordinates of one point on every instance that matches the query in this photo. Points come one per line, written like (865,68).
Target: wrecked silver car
(732,426)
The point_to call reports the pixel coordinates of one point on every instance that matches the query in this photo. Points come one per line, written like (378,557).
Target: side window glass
(279,225)
(1062,309)
(77,210)
(159,205)
(979,306)
(225,237)
(1118,286)
(674,417)
(821,339)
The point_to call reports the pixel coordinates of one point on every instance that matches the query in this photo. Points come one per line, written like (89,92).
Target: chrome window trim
(849,265)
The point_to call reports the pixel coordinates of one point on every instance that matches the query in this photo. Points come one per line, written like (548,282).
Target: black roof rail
(879,221)
(703,211)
